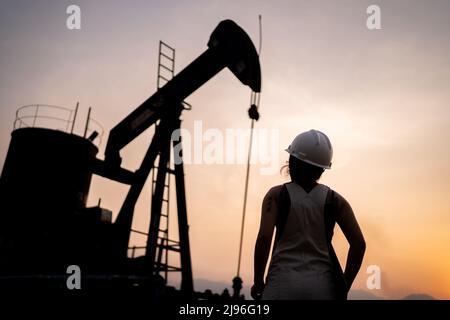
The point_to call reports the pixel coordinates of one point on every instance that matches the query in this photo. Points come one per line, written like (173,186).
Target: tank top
(300,267)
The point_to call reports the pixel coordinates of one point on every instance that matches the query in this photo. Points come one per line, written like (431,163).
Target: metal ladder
(166,64)
(166,71)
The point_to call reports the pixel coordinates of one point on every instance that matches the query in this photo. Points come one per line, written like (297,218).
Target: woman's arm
(349,225)
(264,239)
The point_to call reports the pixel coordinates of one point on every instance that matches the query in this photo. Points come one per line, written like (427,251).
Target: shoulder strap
(330,211)
(283,206)
(330,214)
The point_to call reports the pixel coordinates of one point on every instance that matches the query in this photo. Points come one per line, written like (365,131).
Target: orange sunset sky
(382,96)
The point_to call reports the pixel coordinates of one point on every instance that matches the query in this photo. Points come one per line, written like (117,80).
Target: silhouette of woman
(303,212)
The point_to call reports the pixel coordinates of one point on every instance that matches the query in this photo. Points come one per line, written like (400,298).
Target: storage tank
(43,187)
(47,169)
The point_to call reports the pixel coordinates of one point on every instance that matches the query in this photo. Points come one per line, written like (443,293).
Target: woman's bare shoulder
(341,203)
(273,192)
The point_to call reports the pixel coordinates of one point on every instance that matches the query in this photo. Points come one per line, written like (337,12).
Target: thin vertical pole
(87,122)
(74,117)
(35,115)
(245,197)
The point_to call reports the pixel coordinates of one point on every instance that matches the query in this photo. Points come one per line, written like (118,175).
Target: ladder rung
(164,215)
(156,167)
(170,242)
(169,170)
(169,247)
(166,45)
(165,200)
(166,56)
(164,67)
(160,82)
(165,267)
(165,79)
(139,232)
(166,185)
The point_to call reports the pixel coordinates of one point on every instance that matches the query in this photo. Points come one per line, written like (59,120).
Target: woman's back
(300,266)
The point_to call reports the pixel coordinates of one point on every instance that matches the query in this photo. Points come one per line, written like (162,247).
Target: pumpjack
(43,217)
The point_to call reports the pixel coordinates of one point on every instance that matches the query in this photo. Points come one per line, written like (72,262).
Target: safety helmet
(312,147)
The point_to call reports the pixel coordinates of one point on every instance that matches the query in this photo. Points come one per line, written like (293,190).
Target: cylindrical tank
(44,184)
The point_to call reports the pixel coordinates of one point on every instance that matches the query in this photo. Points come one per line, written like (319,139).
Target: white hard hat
(312,147)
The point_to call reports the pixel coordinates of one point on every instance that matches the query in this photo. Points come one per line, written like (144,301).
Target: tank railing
(93,129)
(57,118)
(31,116)
(140,248)
(134,248)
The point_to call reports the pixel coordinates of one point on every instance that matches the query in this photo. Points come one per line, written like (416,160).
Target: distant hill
(357,294)
(419,296)
(354,294)
(217,287)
